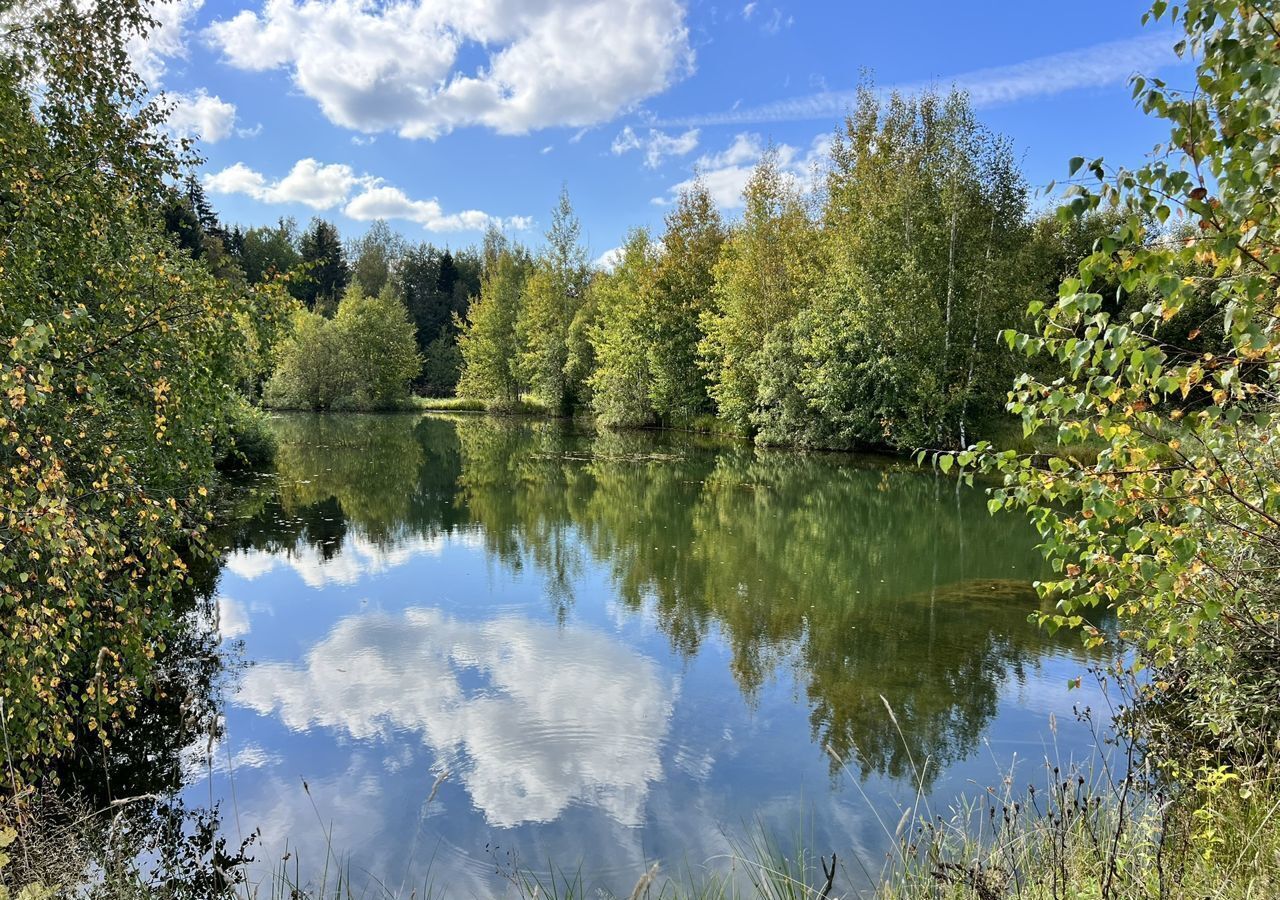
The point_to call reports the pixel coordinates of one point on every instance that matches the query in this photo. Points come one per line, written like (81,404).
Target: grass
(1070,840)
(1113,830)
(531,406)
(450,404)
(525,406)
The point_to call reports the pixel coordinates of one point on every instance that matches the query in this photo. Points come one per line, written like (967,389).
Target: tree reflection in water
(864,578)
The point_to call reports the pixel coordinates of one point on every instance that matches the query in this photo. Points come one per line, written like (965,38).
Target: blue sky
(443,116)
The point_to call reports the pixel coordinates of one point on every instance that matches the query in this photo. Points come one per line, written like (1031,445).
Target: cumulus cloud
(657,145)
(315,184)
(385,202)
(608,260)
(325,186)
(526,746)
(166,41)
(726,173)
(395,66)
(201,115)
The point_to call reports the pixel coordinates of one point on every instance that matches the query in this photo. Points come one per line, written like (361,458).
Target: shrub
(362,359)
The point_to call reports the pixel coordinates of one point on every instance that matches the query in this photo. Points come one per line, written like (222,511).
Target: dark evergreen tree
(327,274)
(446,275)
(201,207)
(235,244)
(181,221)
(436,287)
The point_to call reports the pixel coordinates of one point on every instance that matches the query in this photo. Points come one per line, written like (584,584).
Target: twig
(830,873)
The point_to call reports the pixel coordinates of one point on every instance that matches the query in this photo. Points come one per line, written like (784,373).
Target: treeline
(858,310)
(418,293)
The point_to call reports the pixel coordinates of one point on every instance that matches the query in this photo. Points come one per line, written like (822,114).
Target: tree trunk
(977,318)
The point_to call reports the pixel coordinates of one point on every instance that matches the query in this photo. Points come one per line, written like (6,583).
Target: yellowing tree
(488,338)
(761,281)
(1175,523)
(122,353)
(553,294)
(623,334)
(690,249)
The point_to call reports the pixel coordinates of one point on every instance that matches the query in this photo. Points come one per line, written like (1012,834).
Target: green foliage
(310,371)
(923,260)
(364,358)
(441,367)
(488,339)
(621,382)
(123,353)
(249,442)
(378,340)
(553,295)
(872,323)
(375,256)
(685,281)
(268,250)
(761,281)
(1174,524)
(437,286)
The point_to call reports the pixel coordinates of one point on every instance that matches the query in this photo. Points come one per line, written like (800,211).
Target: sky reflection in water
(619,648)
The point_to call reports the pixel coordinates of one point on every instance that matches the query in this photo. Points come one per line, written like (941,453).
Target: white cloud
(360,558)
(200,759)
(608,260)
(1098,66)
(386,202)
(394,66)
(318,185)
(657,145)
(525,747)
(749,10)
(201,115)
(746,148)
(166,41)
(725,174)
(237,179)
(325,186)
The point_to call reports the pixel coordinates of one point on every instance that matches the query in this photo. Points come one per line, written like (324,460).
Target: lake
(487,645)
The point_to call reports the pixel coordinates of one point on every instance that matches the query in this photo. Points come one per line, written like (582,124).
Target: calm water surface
(614,648)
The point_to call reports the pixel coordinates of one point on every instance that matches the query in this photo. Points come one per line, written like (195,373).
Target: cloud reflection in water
(531,718)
